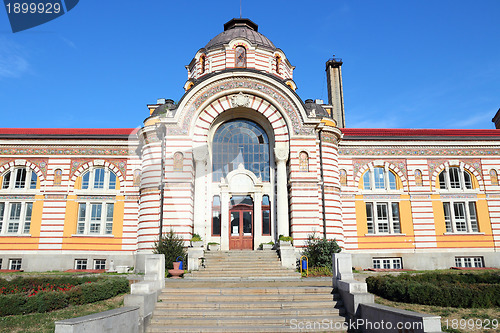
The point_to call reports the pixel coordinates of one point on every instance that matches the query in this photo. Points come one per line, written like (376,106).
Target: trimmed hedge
(20,284)
(440,289)
(44,301)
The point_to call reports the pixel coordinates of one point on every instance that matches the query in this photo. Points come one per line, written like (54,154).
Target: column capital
(281,154)
(200,153)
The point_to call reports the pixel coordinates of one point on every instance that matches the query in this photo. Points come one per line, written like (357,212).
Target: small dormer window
(278,63)
(202,63)
(240,57)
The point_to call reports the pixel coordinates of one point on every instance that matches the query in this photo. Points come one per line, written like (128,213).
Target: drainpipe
(322,183)
(161,131)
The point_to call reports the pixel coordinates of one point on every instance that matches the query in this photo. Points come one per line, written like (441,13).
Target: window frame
(393,220)
(455,178)
(17,262)
(87,222)
(81,263)
(109,181)
(451,220)
(30,181)
(216,209)
(473,260)
(22,224)
(392,262)
(99,263)
(389,183)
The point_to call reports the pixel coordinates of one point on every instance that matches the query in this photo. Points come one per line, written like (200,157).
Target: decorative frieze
(418,152)
(50,151)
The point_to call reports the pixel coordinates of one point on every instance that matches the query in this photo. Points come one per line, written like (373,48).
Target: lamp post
(161,132)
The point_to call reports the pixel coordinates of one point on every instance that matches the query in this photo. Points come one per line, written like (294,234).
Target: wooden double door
(241,232)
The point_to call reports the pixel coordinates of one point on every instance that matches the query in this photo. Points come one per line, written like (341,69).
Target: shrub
(285,238)
(455,290)
(172,247)
(320,251)
(196,238)
(46,301)
(98,291)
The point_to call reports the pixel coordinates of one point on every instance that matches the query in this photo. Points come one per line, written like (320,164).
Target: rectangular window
(85,181)
(109,218)
(82,209)
(99,178)
(442,180)
(216,220)
(2,211)
(460,221)
(473,217)
(378,175)
(81,264)
(266,216)
(454,177)
(27,218)
(469,262)
(387,263)
(382,218)
(95,218)
(396,225)
(20,178)
(99,264)
(369,217)
(112,180)
(15,264)
(447,216)
(366,181)
(33,181)
(14,217)
(0,263)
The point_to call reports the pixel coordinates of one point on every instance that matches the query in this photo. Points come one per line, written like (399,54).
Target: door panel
(241,233)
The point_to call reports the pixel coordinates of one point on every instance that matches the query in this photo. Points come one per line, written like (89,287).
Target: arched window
(418,177)
(379,178)
(95,214)
(303,161)
(178,161)
(99,179)
(15,213)
(455,178)
(202,63)
(240,141)
(57,177)
(494,177)
(240,57)
(343,177)
(278,63)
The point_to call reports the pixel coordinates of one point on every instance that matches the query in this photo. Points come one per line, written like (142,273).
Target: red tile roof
(420,133)
(67,132)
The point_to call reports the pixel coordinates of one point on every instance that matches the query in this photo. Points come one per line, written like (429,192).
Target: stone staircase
(222,301)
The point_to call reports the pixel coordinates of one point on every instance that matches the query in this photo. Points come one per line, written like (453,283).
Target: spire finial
(240,8)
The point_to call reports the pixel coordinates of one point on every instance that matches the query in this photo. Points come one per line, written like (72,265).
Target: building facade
(240,160)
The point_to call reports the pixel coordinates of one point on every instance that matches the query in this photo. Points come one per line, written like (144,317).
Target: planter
(214,247)
(176,272)
(197,244)
(267,246)
(285,243)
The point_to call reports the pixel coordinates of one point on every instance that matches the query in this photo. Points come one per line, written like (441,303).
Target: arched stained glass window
(240,57)
(238,142)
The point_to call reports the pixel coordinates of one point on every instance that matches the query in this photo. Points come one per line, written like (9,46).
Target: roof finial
(240,8)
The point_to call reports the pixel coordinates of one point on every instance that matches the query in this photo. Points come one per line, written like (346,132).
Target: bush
(320,251)
(455,290)
(172,247)
(44,301)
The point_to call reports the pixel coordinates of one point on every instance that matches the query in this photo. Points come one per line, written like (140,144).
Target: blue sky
(407,64)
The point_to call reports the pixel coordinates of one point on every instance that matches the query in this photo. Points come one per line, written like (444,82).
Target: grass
(451,317)
(44,322)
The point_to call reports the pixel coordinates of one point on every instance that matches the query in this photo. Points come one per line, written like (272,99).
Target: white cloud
(473,121)
(13,62)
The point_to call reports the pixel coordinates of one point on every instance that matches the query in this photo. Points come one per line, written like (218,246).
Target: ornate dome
(244,28)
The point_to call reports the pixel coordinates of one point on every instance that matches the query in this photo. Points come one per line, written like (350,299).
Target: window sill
(93,235)
(381,234)
(462,233)
(15,235)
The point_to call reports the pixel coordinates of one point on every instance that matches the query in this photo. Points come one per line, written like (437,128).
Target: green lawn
(44,322)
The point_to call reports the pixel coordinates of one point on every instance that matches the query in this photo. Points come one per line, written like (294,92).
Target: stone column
(224,223)
(200,155)
(281,156)
(257,220)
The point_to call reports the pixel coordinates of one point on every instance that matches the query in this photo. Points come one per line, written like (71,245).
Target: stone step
(240,329)
(245,305)
(244,278)
(224,313)
(249,291)
(309,282)
(282,321)
(247,298)
(214,272)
